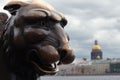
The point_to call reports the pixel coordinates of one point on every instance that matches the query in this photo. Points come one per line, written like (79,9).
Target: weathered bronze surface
(33,41)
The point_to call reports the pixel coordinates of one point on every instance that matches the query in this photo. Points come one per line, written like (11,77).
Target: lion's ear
(13,6)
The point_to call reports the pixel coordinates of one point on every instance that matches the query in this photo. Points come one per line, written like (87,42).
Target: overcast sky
(89,20)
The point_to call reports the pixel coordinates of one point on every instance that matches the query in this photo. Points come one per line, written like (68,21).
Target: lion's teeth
(57,62)
(53,65)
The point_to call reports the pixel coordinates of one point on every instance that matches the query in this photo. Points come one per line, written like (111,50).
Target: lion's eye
(30,22)
(38,23)
(42,23)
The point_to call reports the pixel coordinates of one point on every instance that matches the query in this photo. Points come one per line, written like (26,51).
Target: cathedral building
(96,53)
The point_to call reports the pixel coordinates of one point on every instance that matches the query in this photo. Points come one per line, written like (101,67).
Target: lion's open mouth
(47,69)
(40,66)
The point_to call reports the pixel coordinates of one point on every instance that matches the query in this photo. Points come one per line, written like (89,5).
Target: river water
(108,77)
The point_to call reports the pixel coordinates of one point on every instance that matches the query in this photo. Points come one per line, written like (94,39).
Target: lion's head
(35,40)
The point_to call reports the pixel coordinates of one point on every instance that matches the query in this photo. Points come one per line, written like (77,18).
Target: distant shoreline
(110,74)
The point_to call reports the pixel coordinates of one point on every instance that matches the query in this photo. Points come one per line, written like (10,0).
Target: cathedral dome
(96,53)
(96,46)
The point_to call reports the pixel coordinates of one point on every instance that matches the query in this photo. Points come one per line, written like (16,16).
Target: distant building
(96,53)
(94,67)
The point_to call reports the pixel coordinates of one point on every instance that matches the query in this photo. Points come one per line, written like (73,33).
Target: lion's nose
(66,55)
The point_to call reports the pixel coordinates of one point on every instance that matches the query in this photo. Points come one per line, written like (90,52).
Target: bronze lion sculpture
(32,41)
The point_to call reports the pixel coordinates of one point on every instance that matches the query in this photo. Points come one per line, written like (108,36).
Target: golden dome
(96,46)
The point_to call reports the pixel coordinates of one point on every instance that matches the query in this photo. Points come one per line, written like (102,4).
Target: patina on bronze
(34,41)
